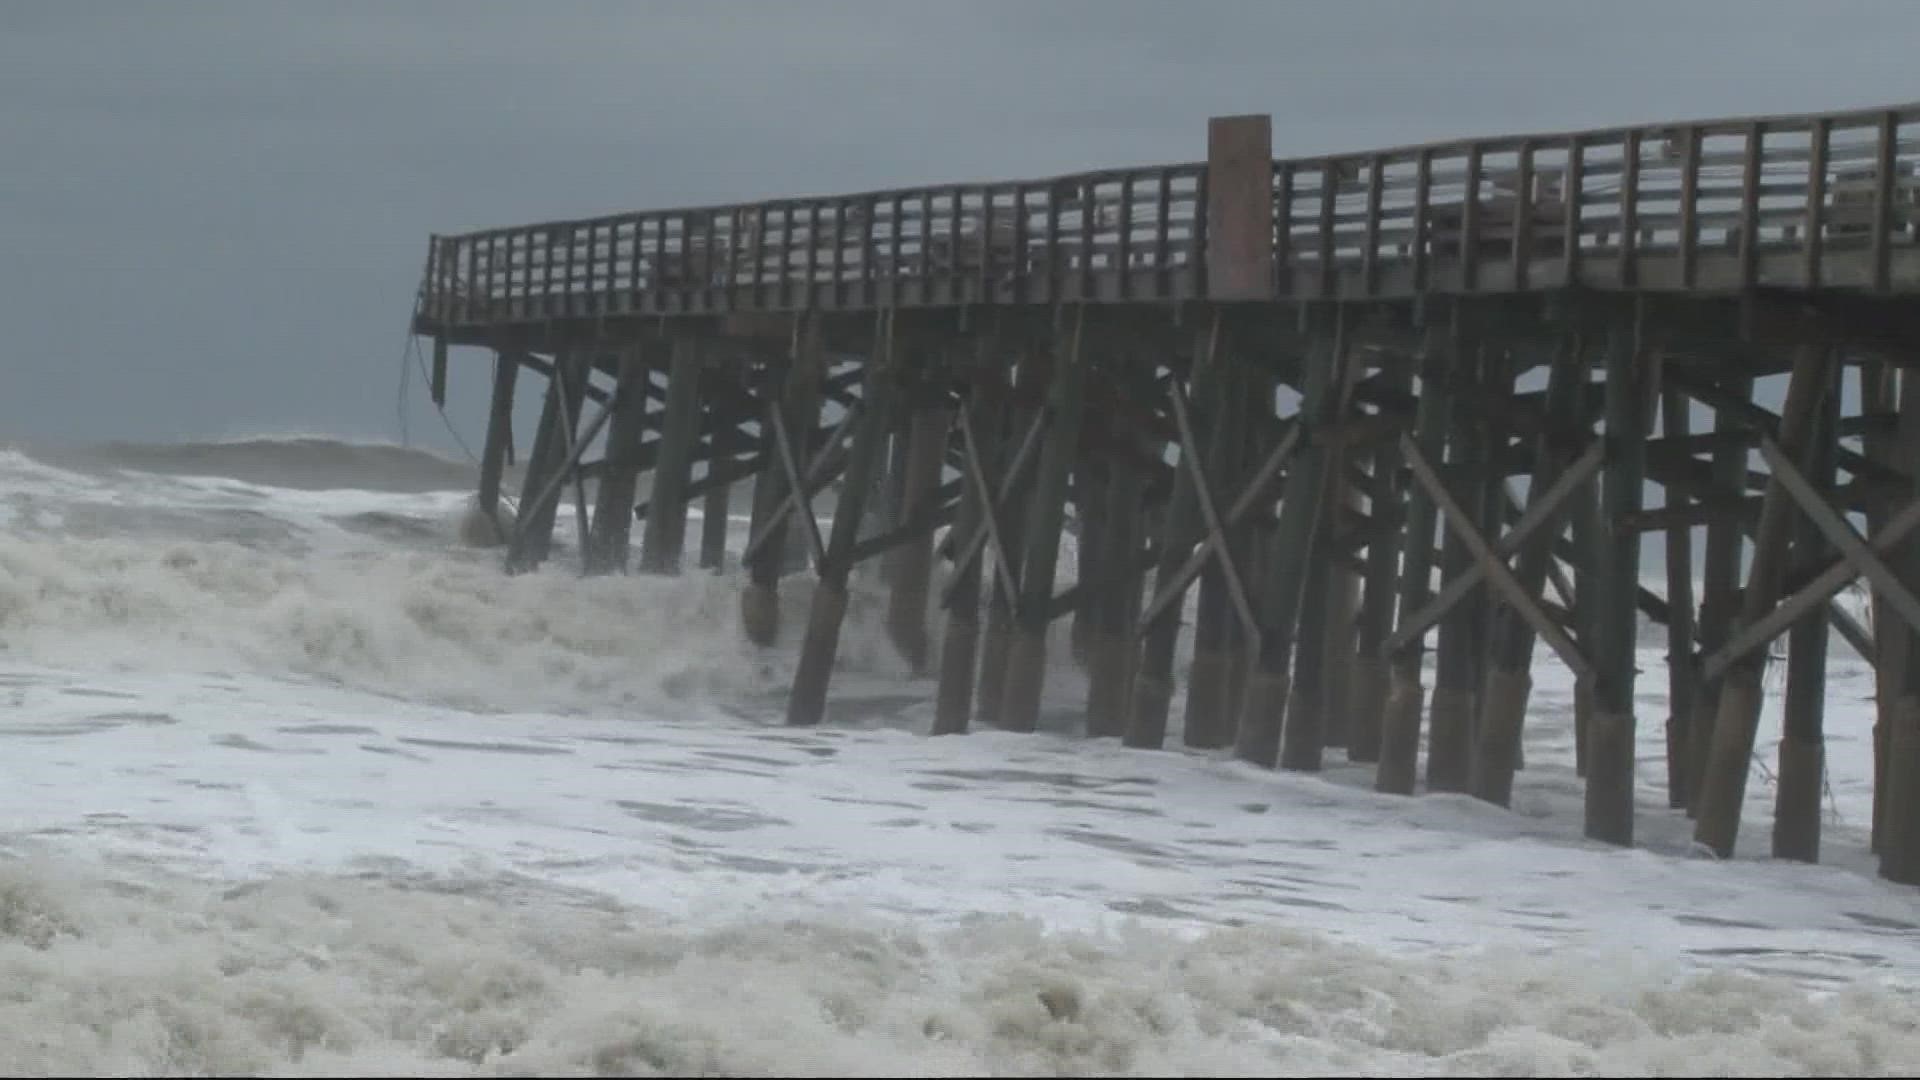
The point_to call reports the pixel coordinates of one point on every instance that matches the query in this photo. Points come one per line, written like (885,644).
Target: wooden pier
(1355,402)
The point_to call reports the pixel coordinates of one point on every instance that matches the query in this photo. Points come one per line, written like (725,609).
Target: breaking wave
(446,625)
(130,973)
(300,462)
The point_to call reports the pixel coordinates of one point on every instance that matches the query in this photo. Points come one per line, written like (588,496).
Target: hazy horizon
(213,214)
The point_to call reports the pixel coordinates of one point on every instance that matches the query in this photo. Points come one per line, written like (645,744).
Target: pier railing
(1806,201)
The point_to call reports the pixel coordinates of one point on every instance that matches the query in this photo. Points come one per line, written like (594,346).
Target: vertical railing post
(1329,197)
(1689,241)
(1571,185)
(1470,222)
(1750,206)
(1523,214)
(1884,157)
(1630,211)
(1370,250)
(1422,198)
(1815,226)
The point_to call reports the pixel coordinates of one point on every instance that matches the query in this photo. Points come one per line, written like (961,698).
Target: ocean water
(295,781)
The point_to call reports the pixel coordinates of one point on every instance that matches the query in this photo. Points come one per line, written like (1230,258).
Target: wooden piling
(959,644)
(1455,687)
(665,536)
(1610,755)
(493,456)
(1725,784)
(1115,599)
(1879,396)
(1027,652)
(1900,815)
(1400,727)
(1090,537)
(1213,678)
(533,531)
(807,704)
(612,528)
(1720,585)
(1386,511)
(793,389)
(1264,704)
(1509,681)
(713,515)
(913,558)
(1682,666)
(1583,522)
(1034,371)
(1179,529)
(1803,760)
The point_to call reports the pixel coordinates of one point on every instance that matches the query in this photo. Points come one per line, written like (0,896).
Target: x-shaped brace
(1540,512)
(1857,556)
(1492,565)
(799,498)
(576,444)
(1250,493)
(988,532)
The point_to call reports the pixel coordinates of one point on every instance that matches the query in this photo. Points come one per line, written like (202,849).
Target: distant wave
(299,461)
(437,624)
(139,974)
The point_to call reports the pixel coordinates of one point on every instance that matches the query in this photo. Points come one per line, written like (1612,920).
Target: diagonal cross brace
(1497,571)
(1852,548)
(989,529)
(797,493)
(576,448)
(1539,513)
(1164,593)
(1003,572)
(1216,531)
(1803,600)
(816,473)
(1812,593)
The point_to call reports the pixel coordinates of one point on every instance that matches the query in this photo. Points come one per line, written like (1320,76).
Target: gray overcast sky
(212,214)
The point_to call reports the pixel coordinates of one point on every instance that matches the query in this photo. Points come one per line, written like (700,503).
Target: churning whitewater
(300,783)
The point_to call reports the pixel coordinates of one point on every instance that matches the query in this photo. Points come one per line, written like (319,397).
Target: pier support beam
(1386,512)
(1153,676)
(1455,687)
(1879,395)
(665,538)
(612,529)
(1720,587)
(1741,696)
(1027,654)
(1682,669)
(808,702)
(714,509)
(912,561)
(493,456)
(959,645)
(997,633)
(1115,601)
(1803,748)
(793,389)
(533,531)
(1630,378)
(1900,815)
(1398,771)
(1214,679)
(1264,703)
(1509,681)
